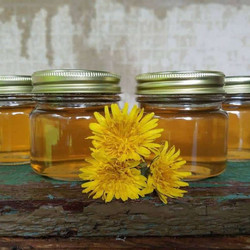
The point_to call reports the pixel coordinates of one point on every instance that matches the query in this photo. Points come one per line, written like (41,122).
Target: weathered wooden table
(34,206)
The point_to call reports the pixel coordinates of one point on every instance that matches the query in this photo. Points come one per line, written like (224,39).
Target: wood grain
(217,242)
(33,206)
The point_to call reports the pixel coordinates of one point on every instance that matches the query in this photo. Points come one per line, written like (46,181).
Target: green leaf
(145,170)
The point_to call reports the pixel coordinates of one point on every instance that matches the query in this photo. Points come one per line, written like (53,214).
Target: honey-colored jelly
(15,106)
(237,105)
(188,106)
(66,101)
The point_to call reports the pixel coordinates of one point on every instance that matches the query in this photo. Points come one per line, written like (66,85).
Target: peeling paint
(34,206)
(51,197)
(233,197)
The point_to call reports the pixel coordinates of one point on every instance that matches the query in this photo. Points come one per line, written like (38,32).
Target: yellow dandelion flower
(108,179)
(125,136)
(165,176)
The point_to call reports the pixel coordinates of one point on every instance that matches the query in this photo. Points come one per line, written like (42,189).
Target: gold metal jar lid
(237,84)
(180,82)
(75,81)
(15,84)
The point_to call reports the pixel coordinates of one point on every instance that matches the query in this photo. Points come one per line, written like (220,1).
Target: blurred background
(127,37)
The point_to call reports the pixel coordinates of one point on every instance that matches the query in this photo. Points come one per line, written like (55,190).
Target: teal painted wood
(34,206)
(20,175)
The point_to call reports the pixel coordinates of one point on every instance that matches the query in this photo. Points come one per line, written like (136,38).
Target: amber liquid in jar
(59,144)
(15,132)
(199,133)
(238,109)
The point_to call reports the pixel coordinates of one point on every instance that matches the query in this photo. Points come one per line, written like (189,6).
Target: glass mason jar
(188,106)
(15,106)
(66,101)
(237,105)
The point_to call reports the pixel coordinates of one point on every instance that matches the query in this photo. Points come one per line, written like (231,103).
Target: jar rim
(180,82)
(15,84)
(72,97)
(180,97)
(75,81)
(237,84)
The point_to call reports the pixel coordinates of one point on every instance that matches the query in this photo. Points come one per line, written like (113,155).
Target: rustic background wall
(125,36)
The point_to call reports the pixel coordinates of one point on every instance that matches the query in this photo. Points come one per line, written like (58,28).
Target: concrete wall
(125,36)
